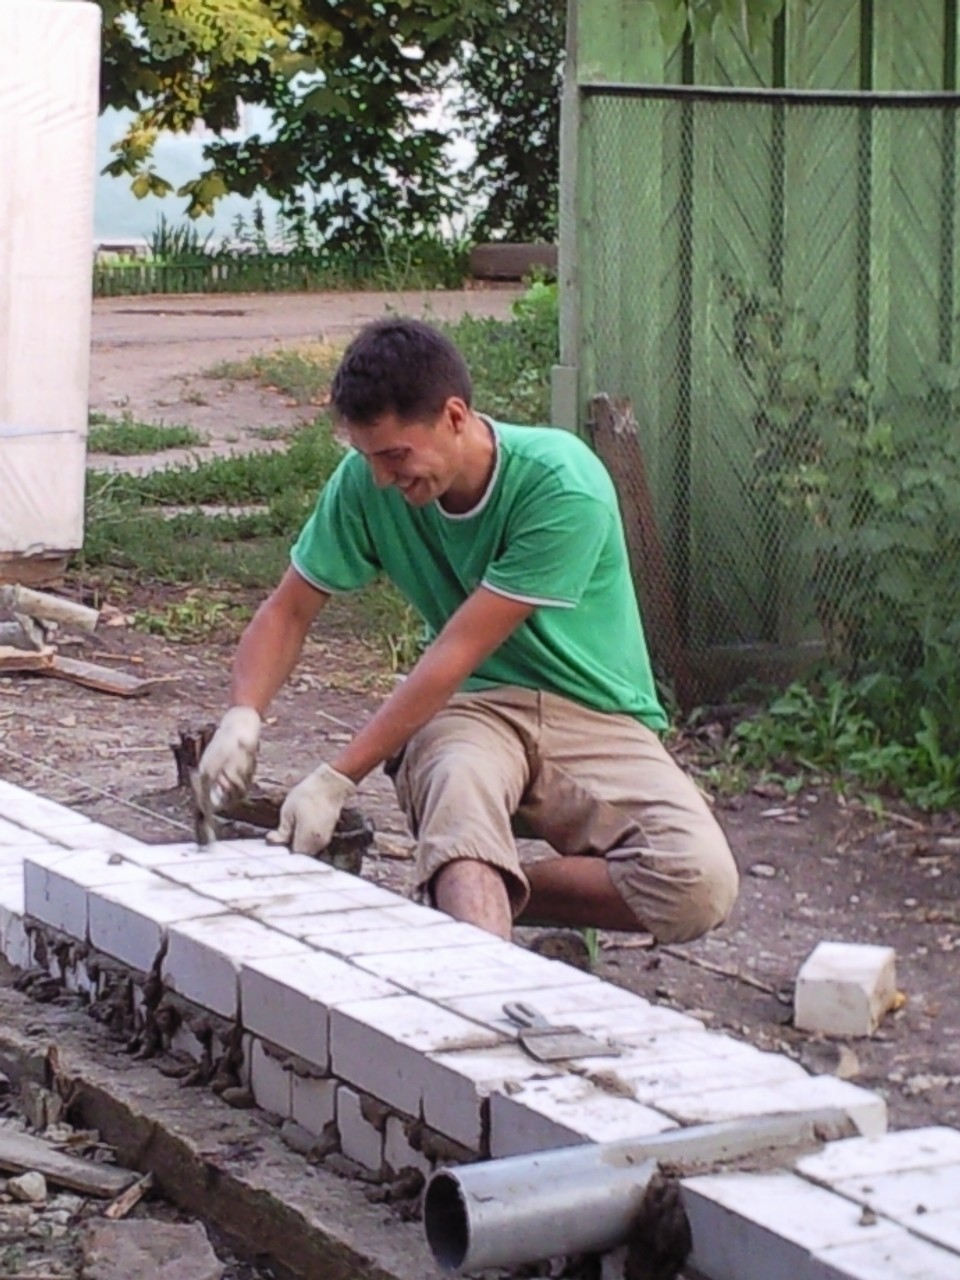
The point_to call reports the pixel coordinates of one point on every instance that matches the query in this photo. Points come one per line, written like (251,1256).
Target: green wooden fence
(746,240)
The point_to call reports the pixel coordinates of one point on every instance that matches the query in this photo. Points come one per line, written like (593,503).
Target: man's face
(421,459)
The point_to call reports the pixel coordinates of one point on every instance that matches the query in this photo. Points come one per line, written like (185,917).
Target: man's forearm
(269,649)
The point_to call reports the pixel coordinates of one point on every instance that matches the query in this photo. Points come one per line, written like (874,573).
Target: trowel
(548,1043)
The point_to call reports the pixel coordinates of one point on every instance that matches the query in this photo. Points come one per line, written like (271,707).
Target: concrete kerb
(228,1167)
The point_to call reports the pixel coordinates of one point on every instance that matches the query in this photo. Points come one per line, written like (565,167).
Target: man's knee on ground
(708,903)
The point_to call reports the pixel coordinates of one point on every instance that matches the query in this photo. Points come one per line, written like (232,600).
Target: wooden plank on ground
(94,676)
(23,1153)
(13,660)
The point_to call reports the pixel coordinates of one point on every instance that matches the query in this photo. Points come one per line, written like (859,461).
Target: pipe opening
(446,1221)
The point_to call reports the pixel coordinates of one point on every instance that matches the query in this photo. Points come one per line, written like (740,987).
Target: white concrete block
(56,888)
(566,1111)
(188,851)
(287,999)
(590,1005)
(300,914)
(403,916)
(396,935)
(398,1151)
(314,1102)
(749,1226)
(34,812)
(13,836)
(130,921)
(457,1084)
(14,940)
(250,892)
(84,834)
(844,989)
(894,1255)
(380,1045)
(204,956)
(270,1081)
(867,1110)
(203,869)
(941,1229)
(657,1067)
(464,971)
(889,1153)
(359,1139)
(906,1195)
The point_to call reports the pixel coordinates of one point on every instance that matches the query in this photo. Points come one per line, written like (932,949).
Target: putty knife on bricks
(547,1043)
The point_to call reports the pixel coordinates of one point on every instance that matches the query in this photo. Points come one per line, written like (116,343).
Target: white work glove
(311,809)
(228,764)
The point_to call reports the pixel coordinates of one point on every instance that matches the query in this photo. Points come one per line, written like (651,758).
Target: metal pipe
(584,1199)
(526,1207)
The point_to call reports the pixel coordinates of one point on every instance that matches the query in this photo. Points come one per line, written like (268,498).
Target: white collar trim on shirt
(491,485)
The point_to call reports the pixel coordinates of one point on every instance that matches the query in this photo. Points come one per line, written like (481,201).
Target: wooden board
(22,1153)
(103,679)
(13,659)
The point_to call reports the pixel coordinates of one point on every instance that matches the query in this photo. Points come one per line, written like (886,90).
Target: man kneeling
(533,708)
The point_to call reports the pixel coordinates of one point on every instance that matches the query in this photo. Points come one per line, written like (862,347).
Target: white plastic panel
(49,69)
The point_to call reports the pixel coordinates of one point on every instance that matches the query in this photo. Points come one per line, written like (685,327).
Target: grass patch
(302,374)
(122,437)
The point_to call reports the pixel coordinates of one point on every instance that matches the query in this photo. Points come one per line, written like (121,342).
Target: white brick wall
(404,1009)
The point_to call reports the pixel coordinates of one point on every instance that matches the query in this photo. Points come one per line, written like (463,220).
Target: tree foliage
(348,84)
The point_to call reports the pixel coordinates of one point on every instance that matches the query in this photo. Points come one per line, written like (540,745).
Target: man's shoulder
(556,457)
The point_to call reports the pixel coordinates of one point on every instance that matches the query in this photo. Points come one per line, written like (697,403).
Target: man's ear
(457,413)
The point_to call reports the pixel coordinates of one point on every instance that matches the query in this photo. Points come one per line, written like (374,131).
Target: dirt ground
(813,867)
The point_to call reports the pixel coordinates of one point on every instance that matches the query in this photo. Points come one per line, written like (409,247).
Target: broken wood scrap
(48,608)
(104,679)
(13,659)
(128,1200)
(23,1153)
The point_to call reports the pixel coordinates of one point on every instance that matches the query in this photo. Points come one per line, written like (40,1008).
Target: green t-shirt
(547,531)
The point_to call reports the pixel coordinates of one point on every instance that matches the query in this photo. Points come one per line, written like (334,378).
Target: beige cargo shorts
(512,761)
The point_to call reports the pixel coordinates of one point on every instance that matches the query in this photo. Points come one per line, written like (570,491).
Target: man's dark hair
(398,366)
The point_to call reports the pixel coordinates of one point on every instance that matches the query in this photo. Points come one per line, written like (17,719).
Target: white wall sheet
(49,69)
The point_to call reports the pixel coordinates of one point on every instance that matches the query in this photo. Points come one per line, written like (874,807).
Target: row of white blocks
(382,1017)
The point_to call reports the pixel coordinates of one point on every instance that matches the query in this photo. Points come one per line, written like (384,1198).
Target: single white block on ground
(844,988)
